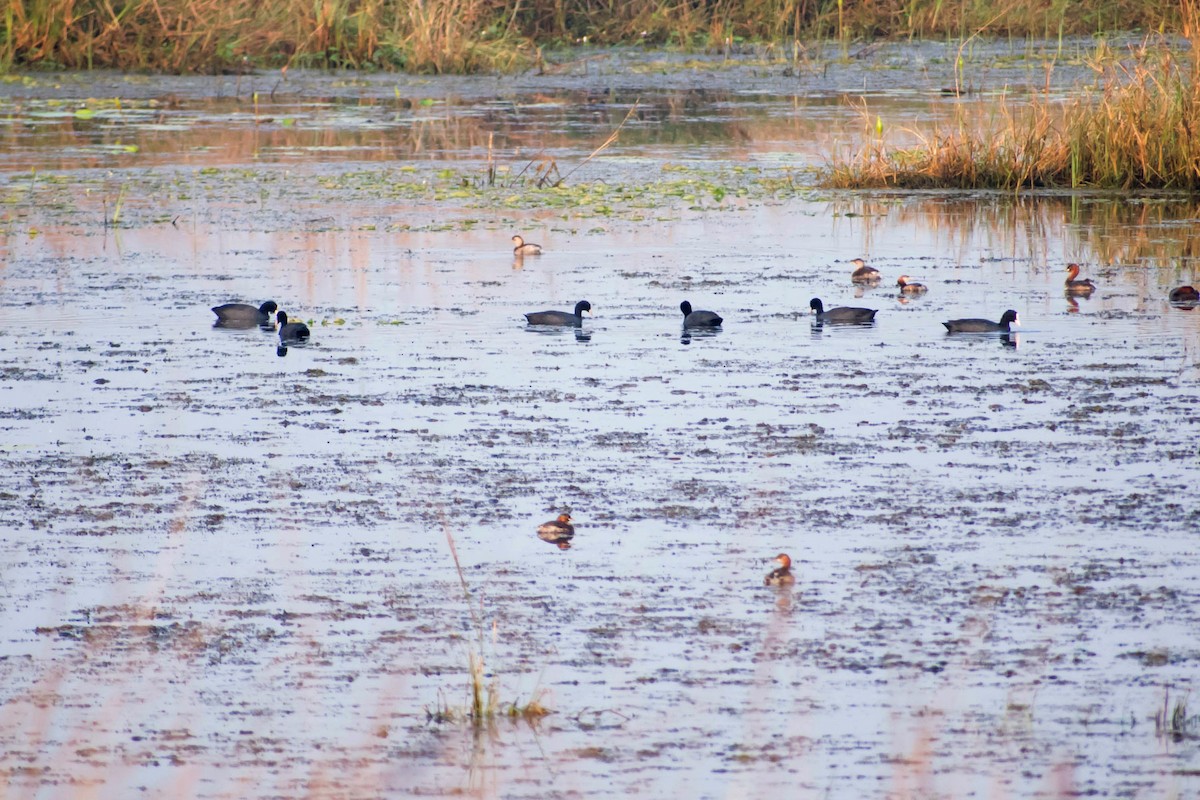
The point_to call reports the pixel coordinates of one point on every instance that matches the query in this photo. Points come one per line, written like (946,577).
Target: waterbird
(243,313)
(863,273)
(910,288)
(1184,294)
(974,325)
(782,576)
(557,531)
(698,319)
(522,249)
(560,317)
(1073,286)
(841,314)
(291,331)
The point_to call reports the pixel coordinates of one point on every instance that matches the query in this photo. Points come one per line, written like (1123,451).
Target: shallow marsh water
(226,572)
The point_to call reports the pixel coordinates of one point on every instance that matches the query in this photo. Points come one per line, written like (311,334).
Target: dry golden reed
(475,35)
(1137,130)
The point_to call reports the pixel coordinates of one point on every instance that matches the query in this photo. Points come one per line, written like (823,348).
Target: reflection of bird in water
(291,331)
(698,333)
(560,317)
(974,325)
(1083,287)
(520,248)
(782,576)
(241,315)
(863,273)
(841,314)
(1184,294)
(698,319)
(910,288)
(557,531)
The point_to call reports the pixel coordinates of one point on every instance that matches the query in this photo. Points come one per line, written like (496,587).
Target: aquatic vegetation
(1130,133)
(484,702)
(1173,720)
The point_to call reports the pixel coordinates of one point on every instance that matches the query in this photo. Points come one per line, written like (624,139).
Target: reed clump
(491,35)
(1173,720)
(220,35)
(1139,130)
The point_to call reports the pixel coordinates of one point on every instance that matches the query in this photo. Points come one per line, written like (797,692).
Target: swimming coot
(842,314)
(291,331)
(560,317)
(698,319)
(246,314)
(982,325)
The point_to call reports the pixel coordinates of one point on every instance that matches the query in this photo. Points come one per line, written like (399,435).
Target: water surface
(227,572)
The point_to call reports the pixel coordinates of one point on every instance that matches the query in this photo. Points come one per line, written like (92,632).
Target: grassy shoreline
(463,36)
(1136,130)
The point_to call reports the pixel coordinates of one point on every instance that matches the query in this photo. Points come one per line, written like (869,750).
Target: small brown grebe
(557,531)
(1073,286)
(520,248)
(783,575)
(864,274)
(910,288)
(1182,294)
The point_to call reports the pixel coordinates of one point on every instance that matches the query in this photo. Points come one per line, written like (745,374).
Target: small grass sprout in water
(1173,720)
(485,705)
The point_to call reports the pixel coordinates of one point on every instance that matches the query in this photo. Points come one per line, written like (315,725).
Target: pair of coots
(862,316)
(234,315)
(691,318)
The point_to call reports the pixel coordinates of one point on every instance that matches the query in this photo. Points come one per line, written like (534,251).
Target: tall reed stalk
(485,703)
